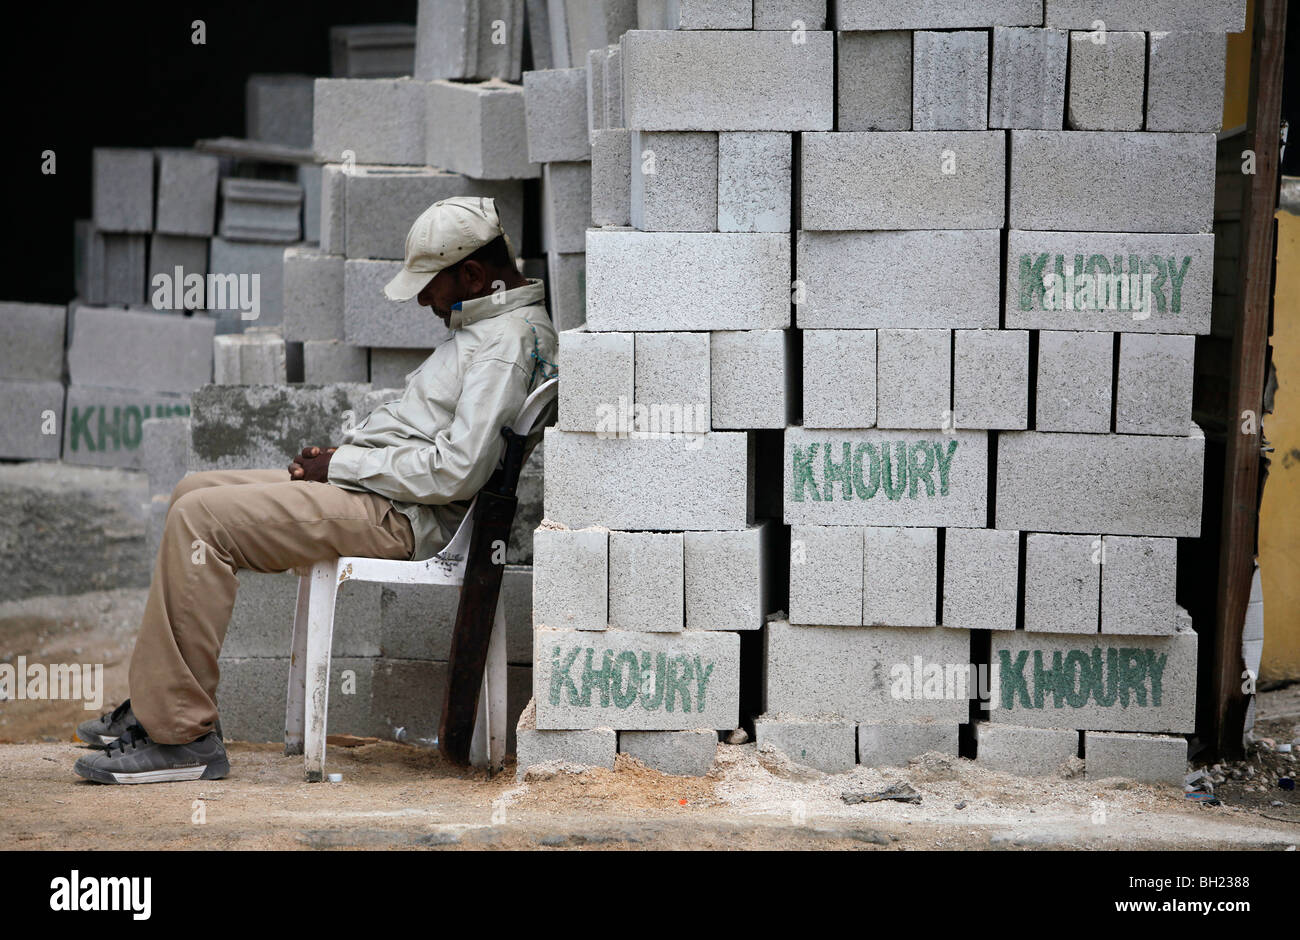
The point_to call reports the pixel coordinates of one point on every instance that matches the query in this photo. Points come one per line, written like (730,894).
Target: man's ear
(476,277)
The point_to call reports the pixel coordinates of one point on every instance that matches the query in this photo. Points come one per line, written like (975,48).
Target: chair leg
(295,702)
(320,635)
(488,744)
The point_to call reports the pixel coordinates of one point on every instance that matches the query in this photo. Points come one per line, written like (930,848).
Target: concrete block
(742,397)
(132,350)
(1219,16)
(839,378)
(377,120)
(981,578)
(1098,683)
(517,594)
(1107,81)
(32,429)
(874,71)
(1062,583)
(1074,181)
(309,178)
(935,14)
(566,206)
(736,281)
(597,371)
(407,699)
(469,39)
(1153,392)
(674,179)
(680,753)
(114,266)
(789,14)
(858,280)
(596,89)
(416,621)
(381,50)
(635,681)
(911,180)
(260,210)
(571,578)
(683,482)
(122,189)
(826,744)
(482,132)
(725,584)
(330,360)
(173,259)
(885,477)
(278,109)
(371,319)
(1027,83)
(261,623)
(672,374)
(390,368)
(166,445)
(1147,758)
(950,81)
(991,379)
(187,192)
(1075,375)
(703,14)
(333,210)
(612,80)
(529,514)
(257,282)
(890,745)
(103,427)
(900,577)
(1132,283)
(566,284)
(754,182)
(864,673)
(1090,483)
(914,379)
(1138,585)
(595,747)
(31,342)
(1185,78)
(313,295)
(1027,752)
(727,81)
(252,692)
(646,581)
(611,177)
(555,115)
(252,358)
(825,575)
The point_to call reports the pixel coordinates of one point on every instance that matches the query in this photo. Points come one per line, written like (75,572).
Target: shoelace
(130,739)
(119,711)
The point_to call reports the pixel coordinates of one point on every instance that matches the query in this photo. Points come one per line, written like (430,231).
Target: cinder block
(1107,80)
(122,189)
(699,14)
(875,81)
(900,577)
(611,177)
(481,130)
(1075,181)
(727,81)
(371,319)
(1185,78)
(176,258)
(1219,16)
(333,210)
(674,179)
(612,81)
(114,266)
(672,375)
(252,697)
(379,120)
(1153,393)
(981,578)
(1027,752)
(914,379)
(596,372)
(857,280)
(166,445)
(1027,83)
(278,109)
(253,272)
(555,115)
(1075,374)
(646,586)
(35,412)
(827,744)
(890,745)
(1100,683)
(260,210)
(253,358)
(261,623)
(825,575)
(381,50)
(595,747)
(187,192)
(390,368)
(313,295)
(686,483)
(596,89)
(736,280)
(754,182)
(31,342)
(743,397)
(416,621)
(680,753)
(991,379)
(517,595)
(1147,758)
(914,180)
(885,477)
(1130,268)
(133,350)
(839,378)
(935,14)
(103,427)
(950,81)
(865,673)
(1090,483)
(469,39)
(571,578)
(789,14)
(636,681)
(309,178)
(1063,583)
(1138,582)
(566,286)
(330,360)
(725,584)
(566,206)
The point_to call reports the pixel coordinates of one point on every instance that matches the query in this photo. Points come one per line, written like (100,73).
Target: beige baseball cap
(446,232)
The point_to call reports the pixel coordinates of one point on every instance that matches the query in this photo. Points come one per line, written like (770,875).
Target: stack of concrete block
(278,109)
(31,380)
(113,248)
(372,50)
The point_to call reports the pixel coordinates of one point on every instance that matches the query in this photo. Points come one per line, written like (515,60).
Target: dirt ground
(398,796)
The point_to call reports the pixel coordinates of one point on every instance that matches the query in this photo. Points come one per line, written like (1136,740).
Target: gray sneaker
(136,758)
(104,730)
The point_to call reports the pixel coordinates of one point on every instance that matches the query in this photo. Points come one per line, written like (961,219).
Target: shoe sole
(214,771)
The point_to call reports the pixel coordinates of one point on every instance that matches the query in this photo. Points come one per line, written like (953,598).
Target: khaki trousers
(218,523)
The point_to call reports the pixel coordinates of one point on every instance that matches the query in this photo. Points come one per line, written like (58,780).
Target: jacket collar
(482,308)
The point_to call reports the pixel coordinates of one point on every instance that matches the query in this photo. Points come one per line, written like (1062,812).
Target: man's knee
(193,482)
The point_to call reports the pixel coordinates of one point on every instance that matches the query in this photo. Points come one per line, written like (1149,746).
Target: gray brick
(935,14)
(416,621)
(166,254)
(555,114)
(1027,83)
(130,350)
(371,319)
(34,407)
(906,186)
(261,623)
(893,745)
(122,189)
(674,179)
(309,178)
(407,699)
(1185,78)
(566,206)
(839,378)
(611,177)
(875,81)
(517,595)
(571,578)
(330,360)
(613,84)
(914,378)
(825,575)
(981,578)
(950,81)
(745,397)
(1107,81)
(383,50)
(596,747)
(278,109)
(1147,758)
(255,210)
(900,576)
(783,14)
(596,372)
(265,260)
(115,268)
(104,426)
(827,744)
(1074,381)
(253,358)
(566,283)
(1218,16)
(646,586)
(166,445)
(313,295)
(754,182)
(187,192)
(725,584)
(390,367)
(672,378)
(380,120)
(482,132)
(680,753)
(991,379)
(1028,752)
(458,39)
(32,346)
(252,691)
(1138,583)
(596,89)
(1153,393)
(1062,583)
(333,209)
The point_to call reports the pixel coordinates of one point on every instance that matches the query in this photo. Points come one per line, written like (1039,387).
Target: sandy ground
(398,796)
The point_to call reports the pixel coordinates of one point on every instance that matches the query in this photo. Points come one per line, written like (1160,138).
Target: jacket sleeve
(462,456)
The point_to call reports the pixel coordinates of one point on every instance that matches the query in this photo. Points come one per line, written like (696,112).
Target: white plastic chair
(313,631)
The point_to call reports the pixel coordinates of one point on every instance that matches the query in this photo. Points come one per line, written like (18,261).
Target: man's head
(480,273)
